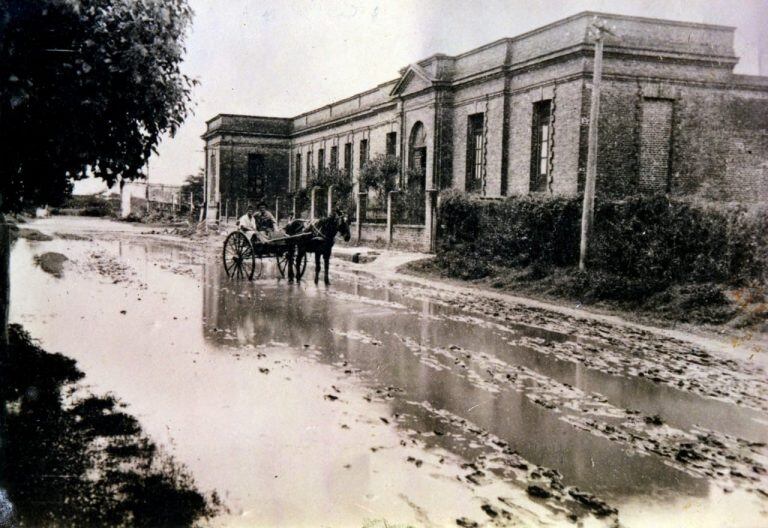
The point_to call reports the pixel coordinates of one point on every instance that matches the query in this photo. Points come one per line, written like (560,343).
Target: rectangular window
(320,160)
(475,152)
(297,174)
(363,152)
(540,145)
(309,167)
(256,176)
(348,158)
(335,157)
(392,144)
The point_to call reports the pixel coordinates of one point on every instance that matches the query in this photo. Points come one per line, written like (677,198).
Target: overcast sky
(282,58)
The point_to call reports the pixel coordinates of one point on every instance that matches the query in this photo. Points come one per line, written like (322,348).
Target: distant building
(139,196)
(511,117)
(164,194)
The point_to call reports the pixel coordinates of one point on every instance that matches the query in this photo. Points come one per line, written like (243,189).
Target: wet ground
(376,400)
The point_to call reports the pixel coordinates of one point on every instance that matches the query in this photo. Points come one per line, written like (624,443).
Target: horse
(324,233)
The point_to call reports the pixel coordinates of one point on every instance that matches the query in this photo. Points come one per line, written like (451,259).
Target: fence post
(390,223)
(293,210)
(430,220)
(312,196)
(330,199)
(226,211)
(191,205)
(277,211)
(359,211)
(237,209)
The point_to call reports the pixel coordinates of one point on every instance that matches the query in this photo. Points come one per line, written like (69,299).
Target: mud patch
(52,262)
(72,236)
(33,235)
(112,269)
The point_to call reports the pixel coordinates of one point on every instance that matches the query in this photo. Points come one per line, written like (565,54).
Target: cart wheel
(301,266)
(239,259)
(282,263)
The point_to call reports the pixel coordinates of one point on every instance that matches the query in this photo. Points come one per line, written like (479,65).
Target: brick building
(511,117)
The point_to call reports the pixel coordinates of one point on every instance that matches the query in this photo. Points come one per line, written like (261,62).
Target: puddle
(302,405)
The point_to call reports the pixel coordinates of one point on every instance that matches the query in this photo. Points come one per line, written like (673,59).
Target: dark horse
(321,242)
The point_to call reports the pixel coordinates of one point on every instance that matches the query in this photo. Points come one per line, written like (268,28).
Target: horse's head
(343,226)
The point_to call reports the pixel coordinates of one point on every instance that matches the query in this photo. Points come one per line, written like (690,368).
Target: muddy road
(378,401)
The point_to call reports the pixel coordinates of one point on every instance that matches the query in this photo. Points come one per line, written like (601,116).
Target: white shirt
(248,222)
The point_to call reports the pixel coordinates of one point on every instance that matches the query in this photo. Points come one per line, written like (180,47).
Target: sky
(285,57)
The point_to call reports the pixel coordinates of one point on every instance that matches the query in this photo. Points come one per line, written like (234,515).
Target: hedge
(654,239)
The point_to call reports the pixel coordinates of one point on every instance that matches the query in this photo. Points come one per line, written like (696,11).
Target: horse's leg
(327,258)
(289,261)
(317,266)
(299,257)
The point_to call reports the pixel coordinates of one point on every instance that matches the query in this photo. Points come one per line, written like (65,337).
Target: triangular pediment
(413,79)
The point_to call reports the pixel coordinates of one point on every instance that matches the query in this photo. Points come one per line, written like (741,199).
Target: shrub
(517,231)
(639,246)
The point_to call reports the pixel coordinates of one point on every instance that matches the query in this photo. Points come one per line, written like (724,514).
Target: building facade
(511,117)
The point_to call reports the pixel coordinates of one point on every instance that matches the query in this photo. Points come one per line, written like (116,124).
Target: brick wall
(403,236)
(566,133)
(655,144)
(689,139)
(233,168)
(720,144)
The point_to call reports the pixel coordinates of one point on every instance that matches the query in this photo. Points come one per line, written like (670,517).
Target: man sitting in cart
(259,227)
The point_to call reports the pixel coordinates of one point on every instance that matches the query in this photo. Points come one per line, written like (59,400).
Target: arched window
(417,159)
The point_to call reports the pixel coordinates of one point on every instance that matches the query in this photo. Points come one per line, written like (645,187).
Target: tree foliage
(382,173)
(194,184)
(87,87)
(344,199)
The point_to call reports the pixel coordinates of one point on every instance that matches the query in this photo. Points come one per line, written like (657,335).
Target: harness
(316,232)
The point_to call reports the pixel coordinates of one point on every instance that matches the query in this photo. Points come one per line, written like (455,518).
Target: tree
(381,174)
(194,184)
(87,87)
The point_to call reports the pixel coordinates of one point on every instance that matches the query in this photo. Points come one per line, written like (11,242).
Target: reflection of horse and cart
(243,254)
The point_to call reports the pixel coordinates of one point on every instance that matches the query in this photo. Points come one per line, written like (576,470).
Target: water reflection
(678,408)
(307,317)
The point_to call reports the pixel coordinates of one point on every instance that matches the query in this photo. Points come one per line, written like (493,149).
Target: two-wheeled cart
(243,256)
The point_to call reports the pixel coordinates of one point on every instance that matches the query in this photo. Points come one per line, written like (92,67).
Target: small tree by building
(194,185)
(380,174)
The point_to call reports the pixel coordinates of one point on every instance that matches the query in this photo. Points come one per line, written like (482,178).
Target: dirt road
(378,399)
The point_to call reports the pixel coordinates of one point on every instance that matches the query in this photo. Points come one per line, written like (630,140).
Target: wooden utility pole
(588,210)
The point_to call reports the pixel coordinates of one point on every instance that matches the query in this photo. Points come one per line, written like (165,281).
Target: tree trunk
(5,283)
(5,302)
